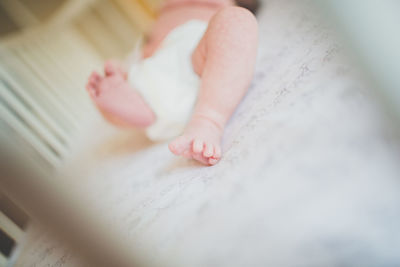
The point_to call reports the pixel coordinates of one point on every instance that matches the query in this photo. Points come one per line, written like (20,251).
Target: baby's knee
(237,21)
(237,16)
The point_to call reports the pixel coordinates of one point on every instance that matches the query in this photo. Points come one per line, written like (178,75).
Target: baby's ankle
(209,118)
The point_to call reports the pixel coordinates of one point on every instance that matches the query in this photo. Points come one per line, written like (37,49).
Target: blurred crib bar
(47,50)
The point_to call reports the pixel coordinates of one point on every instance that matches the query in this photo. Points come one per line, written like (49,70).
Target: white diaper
(168,82)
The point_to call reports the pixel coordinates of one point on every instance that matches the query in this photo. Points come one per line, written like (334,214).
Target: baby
(194,69)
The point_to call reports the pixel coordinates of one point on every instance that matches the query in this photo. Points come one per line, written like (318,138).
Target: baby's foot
(200,141)
(117,101)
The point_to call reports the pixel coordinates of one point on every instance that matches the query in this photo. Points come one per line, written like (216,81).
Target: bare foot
(200,141)
(117,100)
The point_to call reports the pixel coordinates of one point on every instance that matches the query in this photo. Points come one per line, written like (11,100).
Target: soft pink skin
(224,59)
(116,100)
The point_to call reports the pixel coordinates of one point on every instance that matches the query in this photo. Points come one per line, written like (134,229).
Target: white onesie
(167,81)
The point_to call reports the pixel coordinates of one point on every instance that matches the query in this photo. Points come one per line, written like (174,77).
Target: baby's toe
(212,161)
(112,67)
(216,157)
(179,145)
(198,146)
(208,150)
(109,68)
(93,84)
(95,78)
(200,158)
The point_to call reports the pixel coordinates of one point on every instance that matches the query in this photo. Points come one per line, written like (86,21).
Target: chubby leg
(225,60)
(117,101)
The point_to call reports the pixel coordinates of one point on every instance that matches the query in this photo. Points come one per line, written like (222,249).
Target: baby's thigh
(174,17)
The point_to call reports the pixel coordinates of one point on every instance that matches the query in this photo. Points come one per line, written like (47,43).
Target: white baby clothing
(167,81)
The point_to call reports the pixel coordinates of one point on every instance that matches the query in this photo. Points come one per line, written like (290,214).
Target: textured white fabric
(168,82)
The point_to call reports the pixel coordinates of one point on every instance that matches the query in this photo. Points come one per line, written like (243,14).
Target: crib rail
(43,70)
(39,101)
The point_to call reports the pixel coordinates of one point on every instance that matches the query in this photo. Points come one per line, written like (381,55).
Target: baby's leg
(117,101)
(225,60)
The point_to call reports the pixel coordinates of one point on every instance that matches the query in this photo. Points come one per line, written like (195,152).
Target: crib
(310,158)
(42,99)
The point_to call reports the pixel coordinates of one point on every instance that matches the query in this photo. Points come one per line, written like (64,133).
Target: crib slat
(82,56)
(74,89)
(10,228)
(62,83)
(57,58)
(29,128)
(98,35)
(42,114)
(59,99)
(35,88)
(46,73)
(31,120)
(115,21)
(69,10)
(138,15)
(28,136)
(35,106)
(3,260)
